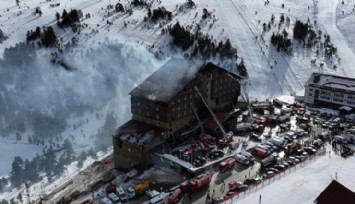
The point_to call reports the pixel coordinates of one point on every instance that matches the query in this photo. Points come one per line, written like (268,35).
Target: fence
(280,174)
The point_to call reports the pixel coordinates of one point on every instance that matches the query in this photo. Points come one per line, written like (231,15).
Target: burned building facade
(169,99)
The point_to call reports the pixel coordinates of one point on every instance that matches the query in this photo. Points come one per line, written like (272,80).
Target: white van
(121,193)
(114,198)
(105,201)
(159,199)
(242,159)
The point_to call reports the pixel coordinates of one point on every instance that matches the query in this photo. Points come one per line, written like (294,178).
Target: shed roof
(336,193)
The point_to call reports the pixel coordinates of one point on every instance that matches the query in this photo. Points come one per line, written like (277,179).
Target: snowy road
(327,18)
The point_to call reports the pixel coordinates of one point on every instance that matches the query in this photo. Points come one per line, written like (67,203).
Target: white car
(105,201)
(121,193)
(242,159)
(114,198)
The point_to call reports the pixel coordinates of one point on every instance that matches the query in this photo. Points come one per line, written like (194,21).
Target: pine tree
(57,16)
(17,174)
(68,146)
(49,39)
(64,14)
(19,197)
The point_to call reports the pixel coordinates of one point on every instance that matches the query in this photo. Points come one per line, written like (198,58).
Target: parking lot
(255,150)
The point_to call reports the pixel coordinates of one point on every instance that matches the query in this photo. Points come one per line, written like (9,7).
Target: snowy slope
(121,56)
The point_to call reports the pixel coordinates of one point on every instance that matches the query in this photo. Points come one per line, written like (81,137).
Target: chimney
(316,78)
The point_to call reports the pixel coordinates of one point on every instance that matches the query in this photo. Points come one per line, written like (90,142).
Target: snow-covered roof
(332,81)
(174,75)
(139,133)
(171,78)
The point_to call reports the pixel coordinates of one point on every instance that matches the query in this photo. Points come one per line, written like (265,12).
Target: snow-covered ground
(305,183)
(122,56)
(11,149)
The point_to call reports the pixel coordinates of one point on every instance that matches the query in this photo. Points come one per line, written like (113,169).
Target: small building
(330,91)
(167,102)
(335,193)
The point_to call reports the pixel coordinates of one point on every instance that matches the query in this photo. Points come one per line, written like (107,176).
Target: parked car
(248,156)
(271,145)
(273,169)
(254,137)
(114,198)
(233,145)
(239,188)
(260,152)
(310,150)
(121,194)
(318,143)
(234,184)
(105,200)
(268,174)
(252,181)
(280,167)
(242,159)
(265,147)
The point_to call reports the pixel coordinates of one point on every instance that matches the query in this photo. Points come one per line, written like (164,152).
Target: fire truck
(226,164)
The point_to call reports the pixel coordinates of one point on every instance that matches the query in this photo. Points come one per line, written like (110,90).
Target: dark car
(197,163)
(268,174)
(299,152)
(252,181)
(290,162)
(273,169)
(285,164)
(217,200)
(239,188)
(280,167)
(310,150)
(216,154)
(294,159)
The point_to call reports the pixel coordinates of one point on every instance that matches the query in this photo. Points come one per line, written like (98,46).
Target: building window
(148,113)
(156,108)
(310,94)
(157,116)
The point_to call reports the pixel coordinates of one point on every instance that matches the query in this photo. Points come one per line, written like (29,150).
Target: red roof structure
(336,193)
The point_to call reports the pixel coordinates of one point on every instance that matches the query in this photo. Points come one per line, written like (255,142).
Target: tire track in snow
(251,47)
(327,17)
(292,75)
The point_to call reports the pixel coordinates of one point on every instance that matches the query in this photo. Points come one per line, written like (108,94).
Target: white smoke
(33,87)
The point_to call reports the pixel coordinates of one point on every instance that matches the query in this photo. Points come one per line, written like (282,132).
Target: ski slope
(327,17)
(270,73)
